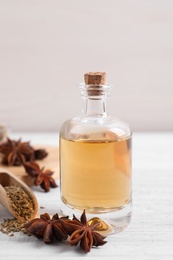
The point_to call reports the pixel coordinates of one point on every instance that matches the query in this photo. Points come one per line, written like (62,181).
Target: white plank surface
(150,234)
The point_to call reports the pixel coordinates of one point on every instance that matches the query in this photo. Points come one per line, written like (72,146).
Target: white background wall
(47,45)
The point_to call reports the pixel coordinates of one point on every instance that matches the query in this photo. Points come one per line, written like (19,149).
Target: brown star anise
(39,154)
(42,177)
(47,228)
(16,152)
(81,232)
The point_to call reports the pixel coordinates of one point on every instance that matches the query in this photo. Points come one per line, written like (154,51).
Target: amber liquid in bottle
(95,161)
(96,174)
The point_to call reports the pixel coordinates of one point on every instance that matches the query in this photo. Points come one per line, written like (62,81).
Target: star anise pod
(42,177)
(16,152)
(47,228)
(83,233)
(39,154)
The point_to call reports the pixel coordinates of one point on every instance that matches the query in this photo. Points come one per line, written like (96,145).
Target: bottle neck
(95,97)
(94,108)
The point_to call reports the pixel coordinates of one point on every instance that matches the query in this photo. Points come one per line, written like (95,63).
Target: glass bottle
(95,161)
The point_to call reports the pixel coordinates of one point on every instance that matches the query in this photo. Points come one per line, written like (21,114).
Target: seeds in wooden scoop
(21,203)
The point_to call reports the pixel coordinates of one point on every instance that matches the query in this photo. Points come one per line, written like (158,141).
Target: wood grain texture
(50,162)
(150,234)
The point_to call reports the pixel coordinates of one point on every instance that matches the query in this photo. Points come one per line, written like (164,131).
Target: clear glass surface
(95,163)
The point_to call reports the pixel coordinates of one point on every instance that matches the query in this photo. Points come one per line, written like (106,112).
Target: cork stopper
(95,78)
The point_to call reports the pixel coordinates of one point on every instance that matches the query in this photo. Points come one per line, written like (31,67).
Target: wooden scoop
(8,179)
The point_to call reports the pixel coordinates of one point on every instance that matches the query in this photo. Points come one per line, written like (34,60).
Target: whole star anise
(81,232)
(42,177)
(47,228)
(16,152)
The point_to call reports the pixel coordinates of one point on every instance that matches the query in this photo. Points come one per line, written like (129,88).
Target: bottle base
(109,223)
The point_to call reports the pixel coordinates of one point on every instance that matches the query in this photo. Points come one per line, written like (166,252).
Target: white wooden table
(150,234)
